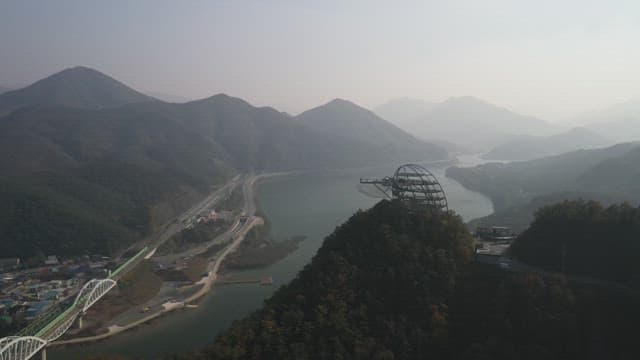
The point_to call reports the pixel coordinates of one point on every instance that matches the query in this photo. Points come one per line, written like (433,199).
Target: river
(309,205)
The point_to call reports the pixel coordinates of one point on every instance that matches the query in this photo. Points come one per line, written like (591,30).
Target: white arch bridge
(34,339)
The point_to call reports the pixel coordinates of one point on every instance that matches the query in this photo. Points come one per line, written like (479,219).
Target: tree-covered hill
(395,284)
(519,217)
(377,288)
(586,239)
(518,183)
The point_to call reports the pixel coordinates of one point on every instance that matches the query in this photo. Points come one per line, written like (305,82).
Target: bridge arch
(19,348)
(61,329)
(92,291)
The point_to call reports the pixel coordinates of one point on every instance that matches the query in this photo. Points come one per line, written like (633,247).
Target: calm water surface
(303,205)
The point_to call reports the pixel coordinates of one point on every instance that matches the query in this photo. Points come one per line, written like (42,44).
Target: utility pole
(563,260)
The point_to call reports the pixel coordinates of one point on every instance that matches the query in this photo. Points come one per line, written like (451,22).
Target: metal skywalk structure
(411,184)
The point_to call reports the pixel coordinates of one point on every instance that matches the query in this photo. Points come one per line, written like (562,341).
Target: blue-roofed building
(38,307)
(50,295)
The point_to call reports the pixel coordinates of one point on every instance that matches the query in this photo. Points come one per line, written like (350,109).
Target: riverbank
(205,284)
(307,204)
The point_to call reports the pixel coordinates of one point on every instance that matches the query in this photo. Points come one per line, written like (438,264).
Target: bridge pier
(43,354)
(80,316)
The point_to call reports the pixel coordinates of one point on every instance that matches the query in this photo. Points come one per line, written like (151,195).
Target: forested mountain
(469,122)
(517,183)
(519,216)
(395,284)
(343,118)
(532,147)
(377,288)
(597,241)
(77,87)
(111,175)
(617,175)
(620,122)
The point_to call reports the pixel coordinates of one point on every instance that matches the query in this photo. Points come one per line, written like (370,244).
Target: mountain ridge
(531,147)
(476,123)
(152,156)
(344,118)
(76,87)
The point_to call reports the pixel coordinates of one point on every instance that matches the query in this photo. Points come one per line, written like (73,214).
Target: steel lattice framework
(56,322)
(58,331)
(19,348)
(92,291)
(414,185)
(24,347)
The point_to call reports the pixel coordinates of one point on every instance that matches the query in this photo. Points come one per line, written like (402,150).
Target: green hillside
(519,182)
(596,241)
(377,287)
(395,284)
(131,168)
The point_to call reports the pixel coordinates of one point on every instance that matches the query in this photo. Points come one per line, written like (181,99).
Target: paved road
(171,228)
(247,182)
(513,265)
(237,233)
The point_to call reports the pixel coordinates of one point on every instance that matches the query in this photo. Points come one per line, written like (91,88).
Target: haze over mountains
(518,189)
(111,163)
(172,98)
(344,118)
(620,122)
(402,111)
(530,147)
(108,164)
(465,121)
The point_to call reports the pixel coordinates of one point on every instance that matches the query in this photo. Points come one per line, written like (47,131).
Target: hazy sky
(545,58)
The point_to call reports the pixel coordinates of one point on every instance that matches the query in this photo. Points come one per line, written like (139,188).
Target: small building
(49,295)
(51,260)
(37,308)
(7,264)
(495,233)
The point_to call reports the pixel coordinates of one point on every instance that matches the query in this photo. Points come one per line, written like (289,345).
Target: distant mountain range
(89,164)
(620,122)
(466,121)
(341,118)
(172,98)
(403,111)
(518,189)
(531,147)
